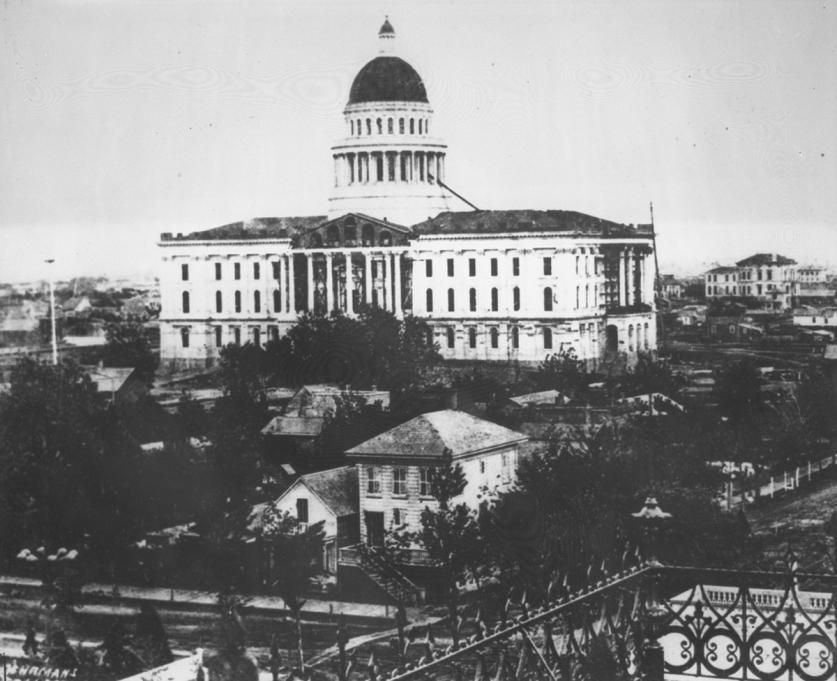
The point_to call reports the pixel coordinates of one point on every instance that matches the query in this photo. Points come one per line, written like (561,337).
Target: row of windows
(472,267)
(358,125)
(257,271)
(399,481)
(548,299)
(493,334)
(219,301)
(218,333)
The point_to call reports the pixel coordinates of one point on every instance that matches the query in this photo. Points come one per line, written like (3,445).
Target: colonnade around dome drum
(372,167)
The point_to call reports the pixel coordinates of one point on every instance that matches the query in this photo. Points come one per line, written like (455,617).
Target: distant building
(116,384)
(768,278)
(721,282)
(493,285)
(672,288)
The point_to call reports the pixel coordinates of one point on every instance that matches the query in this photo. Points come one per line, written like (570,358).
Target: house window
(237,334)
(184,337)
(257,270)
(515,337)
(429,300)
(373,480)
(450,300)
(273,332)
(472,337)
(217,270)
(185,302)
(389,126)
(547,339)
(275,267)
(302,510)
(425,489)
(472,300)
(399,481)
(493,267)
(219,301)
(237,270)
(218,337)
(482,466)
(277,301)
(428,268)
(184,272)
(450,267)
(451,336)
(505,467)
(547,266)
(495,337)
(516,298)
(257,336)
(400,126)
(547,299)
(495,300)
(397,516)
(472,267)
(238,301)
(515,267)
(257,301)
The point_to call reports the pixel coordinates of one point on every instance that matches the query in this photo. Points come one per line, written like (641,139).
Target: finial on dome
(386,36)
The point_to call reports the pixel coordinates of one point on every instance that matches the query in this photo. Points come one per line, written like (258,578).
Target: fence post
(797,477)
(652,665)
(809,471)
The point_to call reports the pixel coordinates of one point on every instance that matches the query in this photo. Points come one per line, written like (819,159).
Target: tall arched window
(421,126)
(472,300)
(219,302)
(516,298)
(380,126)
(368,126)
(400,126)
(352,128)
(495,337)
(515,333)
(277,301)
(390,126)
(238,301)
(412,126)
(451,336)
(547,299)
(257,301)
(631,337)
(358,128)
(451,301)
(495,300)
(472,337)
(185,302)
(429,302)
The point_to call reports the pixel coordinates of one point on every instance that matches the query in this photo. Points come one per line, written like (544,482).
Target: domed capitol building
(494,285)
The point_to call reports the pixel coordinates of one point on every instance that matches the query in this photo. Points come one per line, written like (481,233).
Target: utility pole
(52,313)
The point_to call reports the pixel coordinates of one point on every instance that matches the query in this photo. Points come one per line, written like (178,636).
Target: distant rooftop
(765,259)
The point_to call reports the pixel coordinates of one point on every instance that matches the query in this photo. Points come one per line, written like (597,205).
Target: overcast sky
(123,119)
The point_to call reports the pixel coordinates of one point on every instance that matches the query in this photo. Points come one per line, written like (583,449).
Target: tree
(449,532)
(298,550)
(563,372)
(68,464)
(128,345)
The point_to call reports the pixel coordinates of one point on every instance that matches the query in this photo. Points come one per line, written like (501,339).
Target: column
(329,284)
(309,260)
(622,290)
(280,284)
(367,278)
(642,292)
(631,261)
(396,299)
(291,297)
(442,167)
(397,161)
(384,303)
(349,284)
(350,167)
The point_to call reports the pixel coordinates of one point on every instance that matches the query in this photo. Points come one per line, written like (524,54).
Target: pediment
(353,230)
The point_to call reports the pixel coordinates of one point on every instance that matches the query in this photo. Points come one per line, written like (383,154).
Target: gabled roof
(541,397)
(509,221)
(336,488)
(766,259)
(295,426)
(109,379)
(427,437)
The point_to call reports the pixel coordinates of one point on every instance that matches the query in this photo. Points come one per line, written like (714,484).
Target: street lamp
(49,261)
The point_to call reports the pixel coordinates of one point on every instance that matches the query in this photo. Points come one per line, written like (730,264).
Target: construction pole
(52,313)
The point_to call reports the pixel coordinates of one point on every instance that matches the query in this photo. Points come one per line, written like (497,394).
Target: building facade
(493,285)
(768,278)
